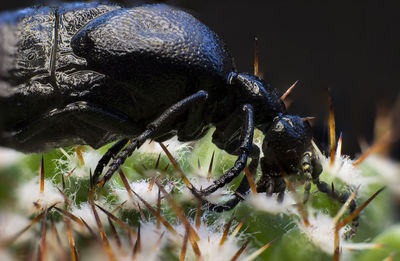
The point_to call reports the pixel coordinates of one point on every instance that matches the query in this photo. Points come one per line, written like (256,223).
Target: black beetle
(89,73)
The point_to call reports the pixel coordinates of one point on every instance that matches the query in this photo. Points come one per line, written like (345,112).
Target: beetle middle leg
(153,130)
(241,190)
(111,153)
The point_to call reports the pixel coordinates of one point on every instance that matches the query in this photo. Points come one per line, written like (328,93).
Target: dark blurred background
(350,47)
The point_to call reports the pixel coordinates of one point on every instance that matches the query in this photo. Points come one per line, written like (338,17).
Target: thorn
(115,234)
(103,235)
(184,246)
(43,247)
(142,216)
(166,167)
(70,173)
(180,213)
(154,212)
(299,203)
(158,161)
(7,242)
(336,220)
(151,184)
(158,243)
(210,166)
(240,251)
(308,118)
(391,256)
(158,208)
(119,207)
(226,231)
(94,235)
(377,146)
(256,71)
(195,247)
(288,91)
(250,180)
(117,220)
(176,166)
(137,248)
(126,183)
(70,215)
(198,164)
(332,128)
(345,205)
(41,175)
(364,246)
(356,212)
(91,191)
(234,233)
(66,199)
(55,232)
(63,181)
(74,253)
(258,252)
(353,215)
(79,154)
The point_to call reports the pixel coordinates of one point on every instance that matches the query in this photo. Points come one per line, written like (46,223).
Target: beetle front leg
(154,129)
(241,190)
(244,150)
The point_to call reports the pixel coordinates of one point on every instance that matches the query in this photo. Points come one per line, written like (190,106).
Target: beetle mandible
(90,73)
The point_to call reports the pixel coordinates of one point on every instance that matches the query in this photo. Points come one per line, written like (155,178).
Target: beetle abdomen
(151,37)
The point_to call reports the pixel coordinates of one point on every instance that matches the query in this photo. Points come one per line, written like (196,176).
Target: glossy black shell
(129,62)
(155,36)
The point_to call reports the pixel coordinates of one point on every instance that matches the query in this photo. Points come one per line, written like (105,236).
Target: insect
(90,73)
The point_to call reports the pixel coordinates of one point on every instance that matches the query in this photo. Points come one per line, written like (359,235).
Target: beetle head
(285,143)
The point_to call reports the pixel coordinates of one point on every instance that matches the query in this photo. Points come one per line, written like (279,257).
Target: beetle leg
(244,150)
(244,185)
(111,153)
(241,190)
(281,196)
(154,129)
(342,198)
